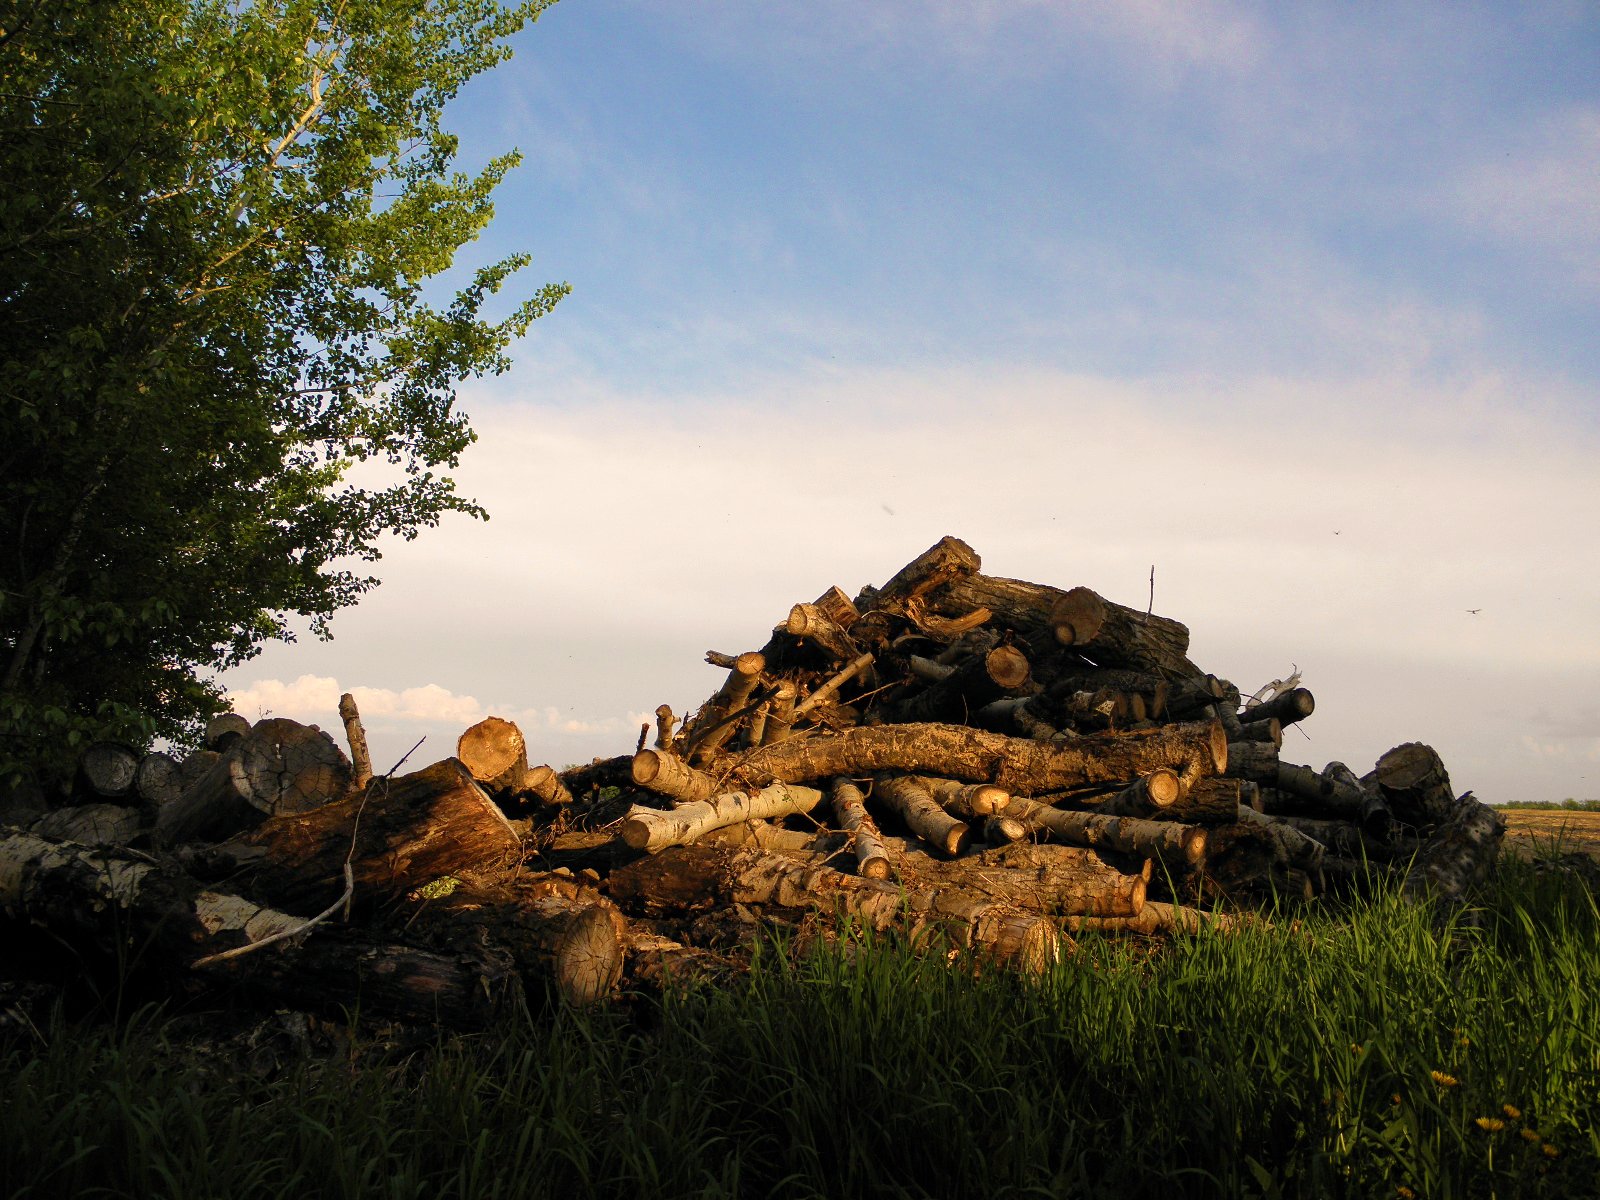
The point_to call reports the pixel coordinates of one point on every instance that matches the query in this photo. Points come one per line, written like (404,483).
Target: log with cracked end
(922,814)
(496,754)
(1413,780)
(1165,839)
(849,806)
(651,829)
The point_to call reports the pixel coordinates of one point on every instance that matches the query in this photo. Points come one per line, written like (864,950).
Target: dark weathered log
(1113,634)
(583,780)
(90,825)
(1183,844)
(223,730)
(1334,796)
(1416,785)
(922,814)
(397,834)
(158,781)
(1255,761)
(496,754)
(696,876)
(1458,853)
(968,688)
(1294,705)
(280,767)
(1290,847)
(1151,796)
(872,860)
(949,558)
(1340,838)
(669,775)
(195,767)
(107,770)
(102,900)
(664,725)
(651,829)
(356,734)
(1050,879)
(1270,730)
(977,756)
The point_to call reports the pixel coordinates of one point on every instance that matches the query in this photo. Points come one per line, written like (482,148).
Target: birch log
(872,860)
(652,830)
(1164,839)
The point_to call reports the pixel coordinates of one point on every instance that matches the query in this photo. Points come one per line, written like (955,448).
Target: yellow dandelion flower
(1405,1193)
(1489,1124)
(1395,1099)
(1444,1080)
(1512,1111)
(1549,1150)
(1529,1135)
(1358,1047)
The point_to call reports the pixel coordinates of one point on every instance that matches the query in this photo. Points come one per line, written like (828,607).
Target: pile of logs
(975,763)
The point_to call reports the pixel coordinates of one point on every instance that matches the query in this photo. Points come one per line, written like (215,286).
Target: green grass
(1295,1060)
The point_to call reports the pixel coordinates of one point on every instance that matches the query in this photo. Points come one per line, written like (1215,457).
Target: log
(1148,797)
(700,875)
(915,805)
(968,801)
(716,721)
(1255,761)
(1000,830)
(224,730)
(1112,634)
(158,781)
(90,825)
(1184,844)
(496,754)
(104,899)
(1049,879)
(1294,705)
(1459,853)
(973,684)
(669,775)
(651,829)
(1270,730)
(664,723)
(1289,846)
(872,860)
(1335,796)
(544,784)
(280,767)
(356,734)
(1210,802)
(855,668)
(836,606)
(948,558)
(1155,917)
(1413,780)
(780,714)
(977,756)
(810,624)
(397,834)
(108,769)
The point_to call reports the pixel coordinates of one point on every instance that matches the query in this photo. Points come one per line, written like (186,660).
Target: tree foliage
(216,229)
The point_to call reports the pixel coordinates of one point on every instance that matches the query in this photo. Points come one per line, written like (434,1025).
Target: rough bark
(651,829)
(1334,796)
(836,606)
(1255,761)
(973,684)
(1294,705)
(280,767)
(947,559)
(1211,802)
(698,876)
(810,623)
(103,899)
(1020,766)
(670,776)
(1049,879)
(968,801)
(496,754)
(1151,796)
(780,714)
(1157,916)
(1112,634)
(1459,853)
(90,825)
(915,805)
(1270,730)
(872,860)
(356,734)
(397,834)
(1183,844)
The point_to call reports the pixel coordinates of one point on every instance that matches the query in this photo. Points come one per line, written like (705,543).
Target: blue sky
(1296,303)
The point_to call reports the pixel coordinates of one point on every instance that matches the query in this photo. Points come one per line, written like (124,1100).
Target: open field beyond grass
(1533,830)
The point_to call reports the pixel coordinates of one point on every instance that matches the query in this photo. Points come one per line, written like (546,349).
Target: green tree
(221,380)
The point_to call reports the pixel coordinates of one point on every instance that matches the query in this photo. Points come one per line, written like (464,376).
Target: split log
(107,770)
(651,829)
(872,860)
(224,730)
(90,825)
(356,734)
(922,814)
(699,875)
(1459,853)
(104,899)
(978,756)
(1294,705)
(280,767)
(1335,796)
(496,754)
(397,834)
(1415,783)
(714,724)
(1183,844)
(666,773)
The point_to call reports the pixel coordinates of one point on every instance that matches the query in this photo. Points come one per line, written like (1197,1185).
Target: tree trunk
(279,768)
(1414,781)
(915,805)
(496,754)
(1019,766)
(1459,853)
(872,860)
(398,834)
(1183,844)
(651,829)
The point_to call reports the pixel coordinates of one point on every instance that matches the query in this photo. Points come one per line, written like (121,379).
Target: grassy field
(1367,1053)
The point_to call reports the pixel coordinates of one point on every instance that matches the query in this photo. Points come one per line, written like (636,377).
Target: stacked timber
(980,764)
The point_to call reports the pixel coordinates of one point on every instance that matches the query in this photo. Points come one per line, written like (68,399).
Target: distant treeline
(1567,805)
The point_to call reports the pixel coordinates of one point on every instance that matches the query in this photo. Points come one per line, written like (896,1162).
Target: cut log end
(588,959)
